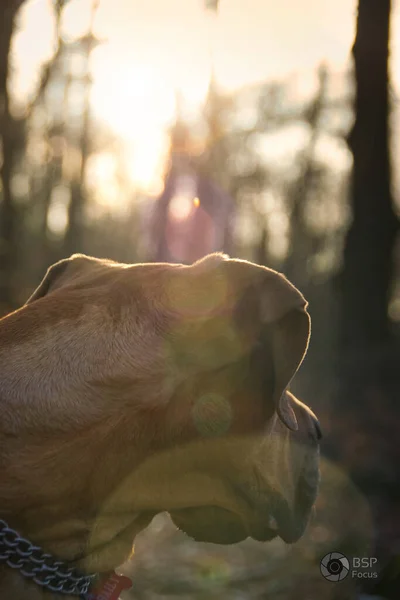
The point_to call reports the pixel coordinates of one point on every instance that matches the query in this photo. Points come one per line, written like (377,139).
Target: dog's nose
(318,428)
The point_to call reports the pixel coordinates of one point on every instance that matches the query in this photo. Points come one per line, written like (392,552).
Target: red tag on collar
(110,588)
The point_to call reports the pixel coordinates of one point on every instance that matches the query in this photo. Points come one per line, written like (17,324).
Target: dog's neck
(57,513)
(59,516)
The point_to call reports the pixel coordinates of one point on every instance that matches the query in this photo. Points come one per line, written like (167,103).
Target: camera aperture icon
(334,566)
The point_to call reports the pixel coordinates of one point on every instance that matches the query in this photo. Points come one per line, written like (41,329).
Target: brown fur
(127,390)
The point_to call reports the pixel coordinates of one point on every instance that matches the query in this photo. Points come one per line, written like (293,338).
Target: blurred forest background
(294,168)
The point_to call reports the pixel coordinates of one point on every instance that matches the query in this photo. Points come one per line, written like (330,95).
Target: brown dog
(127,390)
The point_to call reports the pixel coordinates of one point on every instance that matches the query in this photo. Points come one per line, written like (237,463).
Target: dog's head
(143,388)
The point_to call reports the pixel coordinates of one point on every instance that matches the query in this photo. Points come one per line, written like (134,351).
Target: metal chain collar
(46,571)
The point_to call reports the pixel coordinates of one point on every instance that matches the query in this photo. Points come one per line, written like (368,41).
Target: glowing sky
(157,45)
(154,47)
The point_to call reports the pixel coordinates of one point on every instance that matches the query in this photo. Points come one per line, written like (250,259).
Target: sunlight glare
(131,97)
(180,208)
(76,18)
(102,178)
(150,50)
(138,105)
(144,159)
(30,50)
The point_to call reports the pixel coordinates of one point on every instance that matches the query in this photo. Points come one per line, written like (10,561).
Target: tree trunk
(7,210)
(365,411)
(367,269)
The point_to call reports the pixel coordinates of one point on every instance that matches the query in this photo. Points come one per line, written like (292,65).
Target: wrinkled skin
(127,390)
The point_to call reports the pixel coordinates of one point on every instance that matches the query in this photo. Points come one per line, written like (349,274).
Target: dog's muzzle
(275,496)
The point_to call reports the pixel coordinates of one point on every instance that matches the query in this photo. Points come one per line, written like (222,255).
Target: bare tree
(8,12)
(367,268)
(75,232)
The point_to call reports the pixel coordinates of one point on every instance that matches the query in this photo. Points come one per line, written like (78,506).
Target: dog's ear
(284,309)
(52,275)
(57,274)
(290,336)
